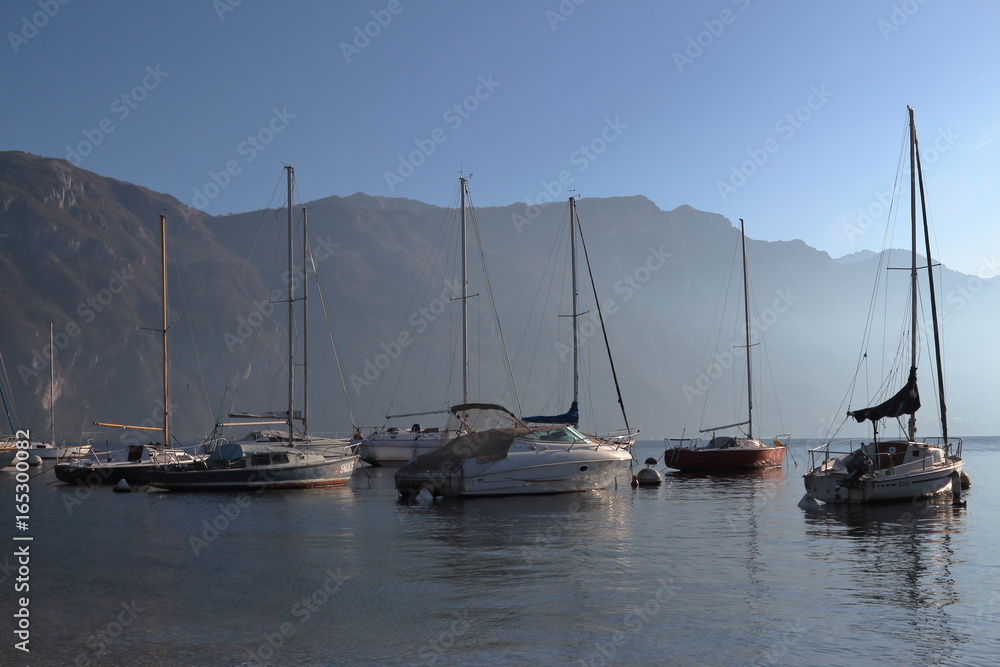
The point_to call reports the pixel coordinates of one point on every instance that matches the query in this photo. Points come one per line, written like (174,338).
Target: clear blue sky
(669,97)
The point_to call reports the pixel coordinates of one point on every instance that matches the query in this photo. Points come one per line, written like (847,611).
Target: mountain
(661,277)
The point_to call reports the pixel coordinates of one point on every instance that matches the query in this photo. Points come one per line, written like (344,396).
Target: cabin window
(260,460)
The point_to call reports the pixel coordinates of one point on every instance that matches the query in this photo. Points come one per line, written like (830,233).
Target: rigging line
(194,340)
(600,314)
(9,407)
(256,237)
(423,282)
(329,328)
(493,303)
(546,288)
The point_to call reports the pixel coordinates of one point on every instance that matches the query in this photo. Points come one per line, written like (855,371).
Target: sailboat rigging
(269,459)
(726,452)
(889,470)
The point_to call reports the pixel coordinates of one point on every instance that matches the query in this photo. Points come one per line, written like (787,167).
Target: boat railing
(621,438)
(819,456)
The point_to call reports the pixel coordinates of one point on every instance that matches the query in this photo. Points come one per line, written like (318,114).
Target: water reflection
(899,567)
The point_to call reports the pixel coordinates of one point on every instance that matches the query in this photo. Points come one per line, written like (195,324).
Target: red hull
(689,459)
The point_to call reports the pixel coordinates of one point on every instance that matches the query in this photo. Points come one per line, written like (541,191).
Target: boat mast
(746,313)
(575,315)
(305,323)
(291,312)
(163,308)
(52,384)
(912,426)
(930,284)
(465,299)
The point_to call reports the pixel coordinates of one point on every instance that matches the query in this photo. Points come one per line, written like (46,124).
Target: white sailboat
(898,469)
(297,460)
(534,455)
(394,446)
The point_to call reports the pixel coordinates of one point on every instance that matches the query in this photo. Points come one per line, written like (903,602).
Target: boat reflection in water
(900,571)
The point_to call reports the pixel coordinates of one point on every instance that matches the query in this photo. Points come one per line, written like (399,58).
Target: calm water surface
(719,570)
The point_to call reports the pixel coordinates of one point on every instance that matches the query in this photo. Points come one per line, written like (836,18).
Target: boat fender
(808,501)
(34,460)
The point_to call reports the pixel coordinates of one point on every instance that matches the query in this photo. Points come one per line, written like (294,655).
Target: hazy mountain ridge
(661,271)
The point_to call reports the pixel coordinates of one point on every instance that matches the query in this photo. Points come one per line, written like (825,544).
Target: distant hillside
(663,278)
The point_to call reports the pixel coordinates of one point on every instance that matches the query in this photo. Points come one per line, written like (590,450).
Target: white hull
(920,471)
(551,471)
(44,450)
(398,448)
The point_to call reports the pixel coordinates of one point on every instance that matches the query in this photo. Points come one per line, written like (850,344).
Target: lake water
(717,570)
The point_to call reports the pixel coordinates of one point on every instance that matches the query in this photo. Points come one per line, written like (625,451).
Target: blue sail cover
(572,417)
(906,401)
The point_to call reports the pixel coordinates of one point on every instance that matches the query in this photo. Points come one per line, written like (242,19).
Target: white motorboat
(513,459)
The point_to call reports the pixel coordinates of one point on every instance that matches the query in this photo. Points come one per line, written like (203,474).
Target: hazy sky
(788,114)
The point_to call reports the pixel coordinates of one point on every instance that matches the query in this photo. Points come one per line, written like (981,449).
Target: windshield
(562,434)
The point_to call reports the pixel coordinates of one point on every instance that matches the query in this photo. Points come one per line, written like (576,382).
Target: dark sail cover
(572,417)
(906,401)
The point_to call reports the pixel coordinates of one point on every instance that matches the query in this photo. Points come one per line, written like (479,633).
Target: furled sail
(906,401)
(572,417)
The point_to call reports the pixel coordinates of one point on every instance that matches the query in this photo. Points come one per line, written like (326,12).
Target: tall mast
(930,285)
(291,313)
(746,313)
(52,384)
(163,320)
(465,299)
(305,323)
(912,425)
(576,335)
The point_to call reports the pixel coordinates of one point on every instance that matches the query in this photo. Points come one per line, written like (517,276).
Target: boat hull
(692,459)
(532,472)
(395,449)
(330,472)
(7,456)
(884,472)
(103,474)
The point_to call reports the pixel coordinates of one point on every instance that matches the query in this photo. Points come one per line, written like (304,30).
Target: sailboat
(267,463)
(394,446)
(39,448)
(534,455)
(140,459)
(895,470)
(723,452)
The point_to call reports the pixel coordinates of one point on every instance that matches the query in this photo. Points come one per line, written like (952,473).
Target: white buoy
(34,460)
(649,476)
(122,487)
(808,501)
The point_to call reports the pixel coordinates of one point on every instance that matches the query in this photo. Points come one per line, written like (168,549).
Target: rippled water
(721,570)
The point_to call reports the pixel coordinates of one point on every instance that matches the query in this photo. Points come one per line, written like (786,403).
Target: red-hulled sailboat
(742,452)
